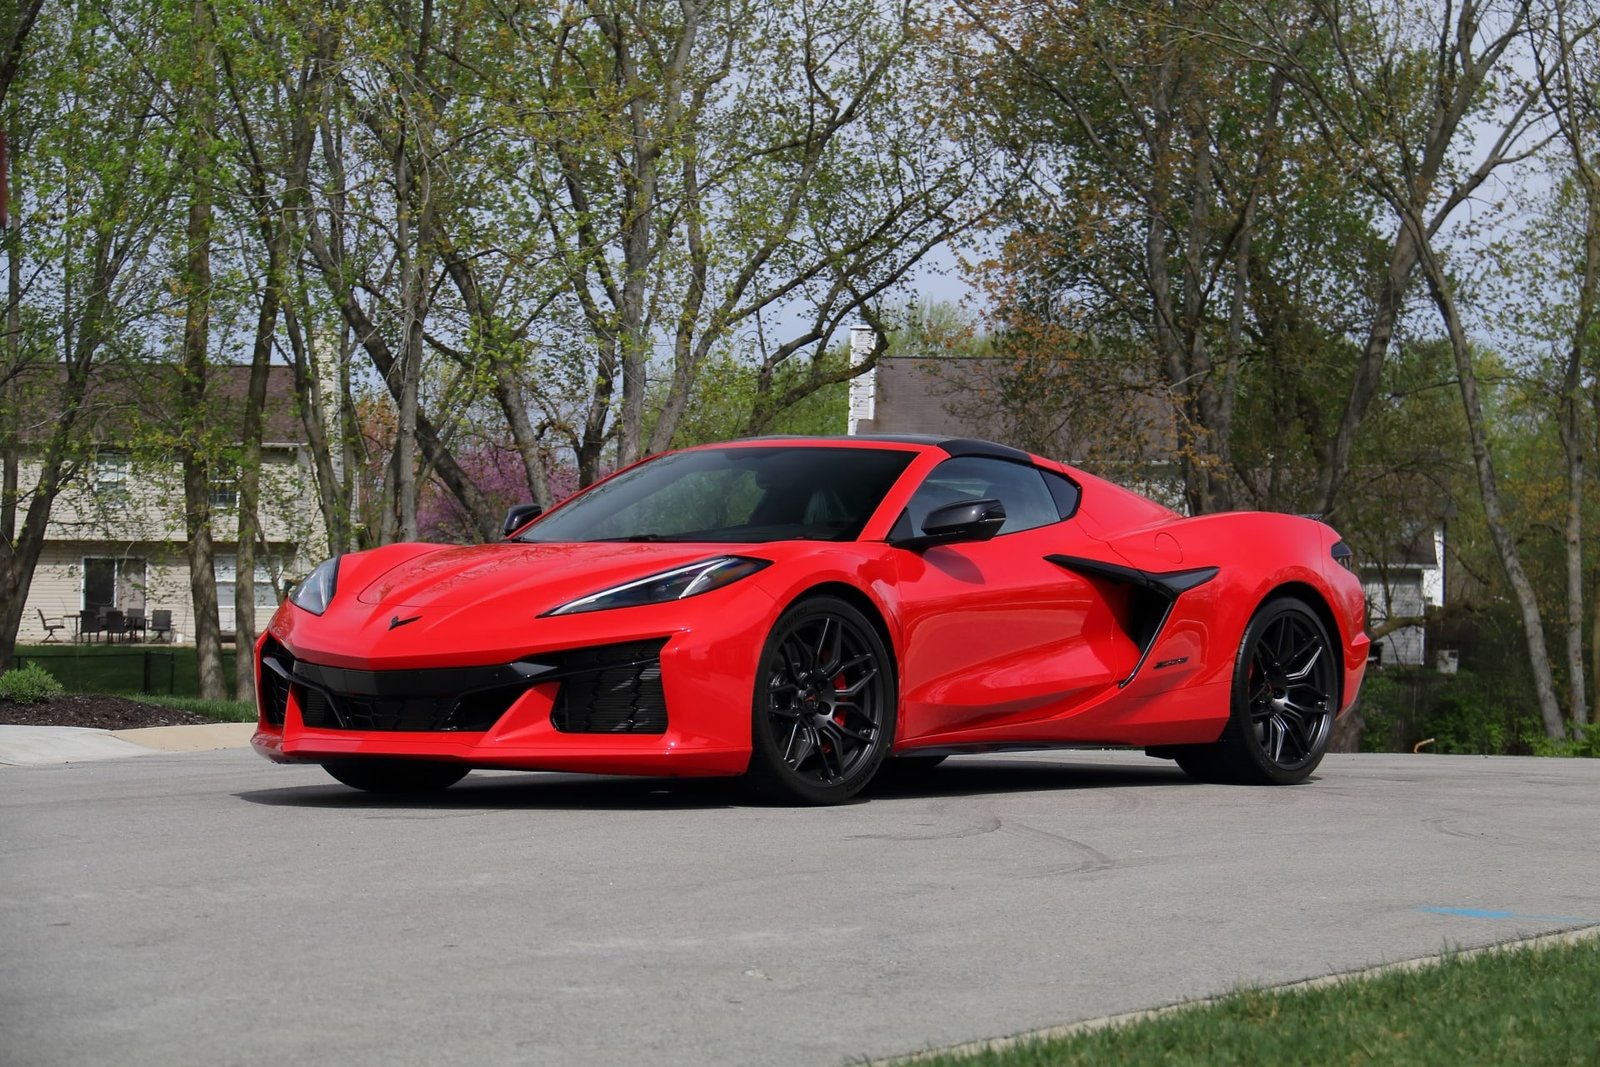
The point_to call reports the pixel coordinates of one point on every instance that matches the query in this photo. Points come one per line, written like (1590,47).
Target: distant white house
(116,538)
(1405,585)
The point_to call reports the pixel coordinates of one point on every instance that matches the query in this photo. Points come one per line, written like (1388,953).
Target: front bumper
(657,698)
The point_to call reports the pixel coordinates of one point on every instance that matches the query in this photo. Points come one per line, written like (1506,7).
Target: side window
(1065,493)
(1020,488)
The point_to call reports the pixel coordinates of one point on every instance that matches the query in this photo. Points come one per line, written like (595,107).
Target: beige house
(116,539)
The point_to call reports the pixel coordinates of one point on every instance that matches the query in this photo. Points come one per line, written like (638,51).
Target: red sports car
(801,610)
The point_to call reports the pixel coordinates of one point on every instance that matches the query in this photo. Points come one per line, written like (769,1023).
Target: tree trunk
(412,294)
(1494,515)
(1369,371)
(332,494)
(192,446)
(244,587)
(10,454)
(1572,444)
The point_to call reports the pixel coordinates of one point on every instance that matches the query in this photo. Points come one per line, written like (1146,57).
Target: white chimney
(863,387)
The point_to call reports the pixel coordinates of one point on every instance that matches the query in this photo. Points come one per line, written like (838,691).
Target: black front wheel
(823,715)
(380,775)
(1285,695)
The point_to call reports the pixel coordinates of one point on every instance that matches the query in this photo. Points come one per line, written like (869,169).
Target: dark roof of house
(134,405)
(919,395)
(1413,547)
(971,398)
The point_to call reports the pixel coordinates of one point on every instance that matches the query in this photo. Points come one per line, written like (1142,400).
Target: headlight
(316,592)
(677,584)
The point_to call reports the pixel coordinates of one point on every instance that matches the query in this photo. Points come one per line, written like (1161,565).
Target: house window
(113,583)
(225,495)
(110,475)
(227,571)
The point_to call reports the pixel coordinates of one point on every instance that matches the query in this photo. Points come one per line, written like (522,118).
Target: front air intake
(277,666)
(612,689)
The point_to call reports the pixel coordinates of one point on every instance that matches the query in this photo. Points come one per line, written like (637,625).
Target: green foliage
(1464,713)
(31,684)
(1585,744)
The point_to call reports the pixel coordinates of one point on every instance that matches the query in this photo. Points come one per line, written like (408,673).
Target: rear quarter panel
(1257,555)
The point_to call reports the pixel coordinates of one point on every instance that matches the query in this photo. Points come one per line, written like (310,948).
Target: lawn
(132,669)
(1527,1006)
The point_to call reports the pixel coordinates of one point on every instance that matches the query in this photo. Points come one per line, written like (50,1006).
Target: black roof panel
(956,446)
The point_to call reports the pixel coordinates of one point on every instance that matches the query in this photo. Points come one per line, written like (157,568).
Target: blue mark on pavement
(1486,913)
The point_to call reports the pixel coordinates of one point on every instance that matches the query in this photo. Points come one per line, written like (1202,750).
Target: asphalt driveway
(211,908)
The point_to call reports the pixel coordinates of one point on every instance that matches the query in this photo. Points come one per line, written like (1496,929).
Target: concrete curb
(206,737)
(34,746)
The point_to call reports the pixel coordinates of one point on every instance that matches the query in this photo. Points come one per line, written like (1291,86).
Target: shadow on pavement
(957,777)
(962,776)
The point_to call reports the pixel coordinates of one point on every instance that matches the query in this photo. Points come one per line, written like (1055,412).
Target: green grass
(122,668)
(221,710)
(1531,1006)
(173,677)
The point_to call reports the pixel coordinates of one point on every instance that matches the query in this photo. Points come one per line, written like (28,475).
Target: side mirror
(520,515)
(965,520)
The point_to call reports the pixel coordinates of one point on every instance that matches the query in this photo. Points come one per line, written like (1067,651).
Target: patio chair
(133,624)
(112,621)
(90,623)
(161,623)
(50,625)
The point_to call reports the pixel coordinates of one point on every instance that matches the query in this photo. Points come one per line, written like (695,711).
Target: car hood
(538,577)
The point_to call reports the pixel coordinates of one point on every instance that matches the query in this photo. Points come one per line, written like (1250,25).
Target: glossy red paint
(993,644)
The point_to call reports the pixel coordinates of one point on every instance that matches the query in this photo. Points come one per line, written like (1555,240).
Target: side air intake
(1151,596)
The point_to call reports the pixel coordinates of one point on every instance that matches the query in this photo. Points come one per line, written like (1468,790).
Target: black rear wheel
(1285,695)
(824,709)
(379,775)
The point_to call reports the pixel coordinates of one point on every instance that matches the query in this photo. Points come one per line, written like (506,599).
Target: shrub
(1587,743)
(29,685)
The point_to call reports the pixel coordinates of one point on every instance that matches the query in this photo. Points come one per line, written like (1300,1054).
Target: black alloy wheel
(1285,695)
(824,709)
(380,775)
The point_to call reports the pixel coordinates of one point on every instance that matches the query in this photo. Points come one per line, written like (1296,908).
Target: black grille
(612,689)
(275,685)
(607,689)
(428,714)
(466,699)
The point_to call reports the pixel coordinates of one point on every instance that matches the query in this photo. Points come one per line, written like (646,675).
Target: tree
(1137,253)
(85,225)
(1568,79)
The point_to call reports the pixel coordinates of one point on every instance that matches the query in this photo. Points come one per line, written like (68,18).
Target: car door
(993,633)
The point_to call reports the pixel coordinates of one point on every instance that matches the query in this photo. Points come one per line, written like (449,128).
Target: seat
(133,624)
(90,623)
(112,621)
(161,623)
(50,625)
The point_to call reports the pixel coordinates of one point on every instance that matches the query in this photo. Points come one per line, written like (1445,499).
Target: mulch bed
(95,710)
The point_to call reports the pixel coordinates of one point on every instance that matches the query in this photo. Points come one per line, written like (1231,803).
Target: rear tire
(379,775)
(1285,695)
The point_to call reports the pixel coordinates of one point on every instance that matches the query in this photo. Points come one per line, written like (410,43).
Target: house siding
(144,521)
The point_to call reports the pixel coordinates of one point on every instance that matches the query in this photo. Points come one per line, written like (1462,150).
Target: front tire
(379,775)
(823,713)
(1285,695)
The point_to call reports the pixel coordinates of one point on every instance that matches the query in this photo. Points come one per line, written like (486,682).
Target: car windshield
(746,495)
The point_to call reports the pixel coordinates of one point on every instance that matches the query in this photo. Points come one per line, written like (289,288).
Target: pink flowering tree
(499,474)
